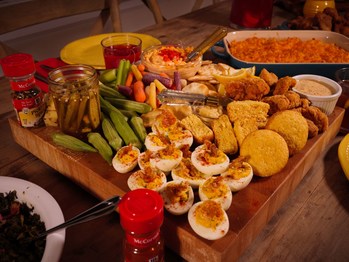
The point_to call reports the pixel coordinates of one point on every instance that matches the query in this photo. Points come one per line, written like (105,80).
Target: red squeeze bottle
(141,217)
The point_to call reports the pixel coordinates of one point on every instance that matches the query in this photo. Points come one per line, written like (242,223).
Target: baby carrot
(141,67)
(164,74)
(129,78)
(139,92)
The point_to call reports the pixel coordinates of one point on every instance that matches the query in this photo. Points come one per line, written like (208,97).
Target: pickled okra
(101,145)
(110,133)
(72,143)
(78,108)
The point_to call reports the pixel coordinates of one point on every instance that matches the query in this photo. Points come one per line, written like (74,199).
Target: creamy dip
(313,87)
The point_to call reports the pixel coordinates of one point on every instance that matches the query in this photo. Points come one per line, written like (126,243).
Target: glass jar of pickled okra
(75,92)
(27,97)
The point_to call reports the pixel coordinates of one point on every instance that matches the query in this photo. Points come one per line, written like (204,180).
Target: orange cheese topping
(209,214)
(214,187)
(127,154)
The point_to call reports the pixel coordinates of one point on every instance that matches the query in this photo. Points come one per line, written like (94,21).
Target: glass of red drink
(342,77)
(247,14)
(121,46)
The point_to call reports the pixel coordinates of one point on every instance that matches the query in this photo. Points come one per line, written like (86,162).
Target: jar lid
(18,65)
(141,211)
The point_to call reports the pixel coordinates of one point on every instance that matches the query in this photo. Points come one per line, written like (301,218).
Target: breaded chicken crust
(277,103)
(269,77)
(266,151)
(315,114)
(283,85)
(249,88)
(292,126)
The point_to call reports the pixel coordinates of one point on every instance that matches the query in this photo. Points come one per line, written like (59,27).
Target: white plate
(45,206)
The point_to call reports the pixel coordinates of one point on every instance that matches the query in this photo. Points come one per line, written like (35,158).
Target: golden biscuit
(292,126)
(266,151)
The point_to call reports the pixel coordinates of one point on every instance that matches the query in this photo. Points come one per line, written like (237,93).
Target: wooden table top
(311,226)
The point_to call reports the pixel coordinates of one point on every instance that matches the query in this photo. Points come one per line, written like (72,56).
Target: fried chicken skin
(313,130)
(277,103)
(294,99)
(251,88)
(314,114)
(283,85)
(269,77)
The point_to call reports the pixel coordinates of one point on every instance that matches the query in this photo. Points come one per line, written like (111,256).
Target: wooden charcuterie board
(250,211)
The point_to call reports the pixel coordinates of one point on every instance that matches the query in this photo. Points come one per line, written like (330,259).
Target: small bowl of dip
(322,92)
(170,58)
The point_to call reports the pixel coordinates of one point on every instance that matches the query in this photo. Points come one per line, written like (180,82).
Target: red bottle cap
(141,211)
(18,65)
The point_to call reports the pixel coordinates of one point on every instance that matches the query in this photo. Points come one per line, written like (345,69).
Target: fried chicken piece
(314,114)
(277,103)
(324,21)
(332,12)
(247,89)
(269,77)
(283,85)
(303,23)
(294,99)
(304,103)
(313,130)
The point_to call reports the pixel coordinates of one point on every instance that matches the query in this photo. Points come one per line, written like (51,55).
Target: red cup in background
(121,46)
(251,14)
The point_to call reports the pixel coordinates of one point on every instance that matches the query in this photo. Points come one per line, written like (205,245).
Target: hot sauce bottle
(27,97)
(141,216)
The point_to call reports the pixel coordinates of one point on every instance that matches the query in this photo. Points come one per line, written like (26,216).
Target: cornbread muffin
(243,127)
(248,109)
(224,135)
(292,126)
(266,151)
(200,131)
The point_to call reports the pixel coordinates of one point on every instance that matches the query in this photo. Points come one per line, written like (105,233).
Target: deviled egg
(144,159)
(180,137)
(164,122)
(150,178)
(154,141)
(238,175)
(210,160)
(166,159)
(186,171)
(208,219)
(126,159)
(178,197)
(215,188)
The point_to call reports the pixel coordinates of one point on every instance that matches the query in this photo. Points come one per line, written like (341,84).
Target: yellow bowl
(170,58)
(343,155)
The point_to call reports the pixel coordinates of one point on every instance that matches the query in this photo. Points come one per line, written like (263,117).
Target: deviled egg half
(208,219)
(180,137)
(210,160)
(166,159)
(126,159)
(238,175)
(150,178)
(154,141)
(164,122)
(186,171)
(178,197)
(215,188)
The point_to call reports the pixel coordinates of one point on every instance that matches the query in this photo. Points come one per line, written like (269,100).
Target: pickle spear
(82,109)
(72,109)
(94,111)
